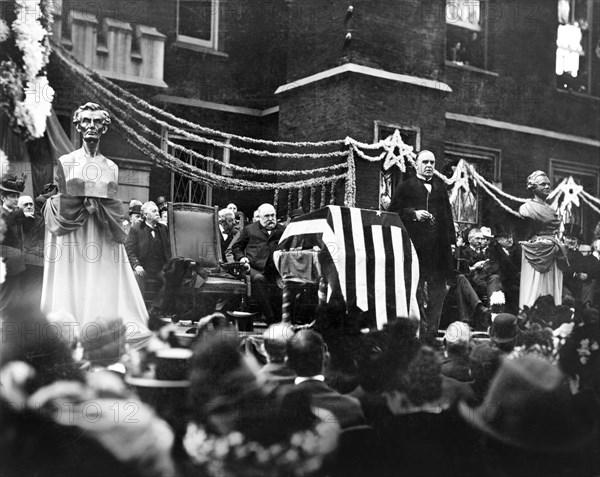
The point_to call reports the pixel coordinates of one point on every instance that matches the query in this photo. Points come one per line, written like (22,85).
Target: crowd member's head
(596,246)
(417,384)
(232,207)
(475,238)
(26,203)
(10,190)
(267,216)
(275,340)
(151,214)
(103,341)
(387,351)
(530,421)
(538,185)
(225,396)
(135,211)
(307,353)
(503,236)
(256,216)
(504,332)
(161,203)
(425,164)
(572,236)
(226,220)
(484,361)
(486,236)
(457,339)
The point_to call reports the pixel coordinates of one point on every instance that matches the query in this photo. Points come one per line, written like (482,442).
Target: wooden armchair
(195,235)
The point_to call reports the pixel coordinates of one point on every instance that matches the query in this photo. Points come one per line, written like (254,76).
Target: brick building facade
(466,79)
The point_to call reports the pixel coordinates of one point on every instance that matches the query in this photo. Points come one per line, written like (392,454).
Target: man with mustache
(254,246)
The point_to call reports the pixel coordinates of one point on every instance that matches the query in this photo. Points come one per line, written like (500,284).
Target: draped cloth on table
(540,274)
(86,269)
(366,256)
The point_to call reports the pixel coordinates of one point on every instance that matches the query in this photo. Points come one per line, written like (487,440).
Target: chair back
(194,232)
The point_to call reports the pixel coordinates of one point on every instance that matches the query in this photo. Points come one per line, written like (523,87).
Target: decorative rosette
(301,455)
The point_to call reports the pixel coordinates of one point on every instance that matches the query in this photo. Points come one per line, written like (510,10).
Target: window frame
(484,32)
(213,43)
(225,171)
(589,52)
(477,156)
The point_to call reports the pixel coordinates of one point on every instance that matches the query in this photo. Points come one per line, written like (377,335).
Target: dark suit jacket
(17,225)
(507,267)
(258,246)
(346,410)
(225,243)
(432,242)
(139,245)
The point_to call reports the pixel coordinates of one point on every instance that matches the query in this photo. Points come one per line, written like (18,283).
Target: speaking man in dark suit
(423,205)
(255,246)
(148,248)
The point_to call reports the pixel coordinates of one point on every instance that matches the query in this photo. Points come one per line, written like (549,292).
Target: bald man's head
(425,164)
(267,217)
(275,340)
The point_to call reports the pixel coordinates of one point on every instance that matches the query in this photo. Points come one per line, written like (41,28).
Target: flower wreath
(26,95)
(233,455)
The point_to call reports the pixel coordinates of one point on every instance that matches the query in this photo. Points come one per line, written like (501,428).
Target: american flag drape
(366,253)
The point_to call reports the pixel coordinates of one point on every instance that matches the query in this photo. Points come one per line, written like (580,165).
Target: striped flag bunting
(366,256)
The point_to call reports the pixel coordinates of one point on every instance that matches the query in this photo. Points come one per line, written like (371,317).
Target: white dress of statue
(86,272)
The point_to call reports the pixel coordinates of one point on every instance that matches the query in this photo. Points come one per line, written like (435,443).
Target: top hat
(529,406)
(504,328)
(136,209)
(13,184)
(572,230)
(501,230)
(296,213)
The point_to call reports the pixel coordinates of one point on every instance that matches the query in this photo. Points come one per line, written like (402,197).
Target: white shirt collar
(301,379)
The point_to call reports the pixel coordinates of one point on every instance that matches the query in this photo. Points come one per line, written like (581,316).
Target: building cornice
(197,103)
(367,71)
(520,128)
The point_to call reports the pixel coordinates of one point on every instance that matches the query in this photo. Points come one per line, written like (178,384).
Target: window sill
(574,94)
(67,43)
(474,69)
(199,48)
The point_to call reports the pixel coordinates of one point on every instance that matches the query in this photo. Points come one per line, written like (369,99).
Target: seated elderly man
(228,230)
(254,246)
(148,249)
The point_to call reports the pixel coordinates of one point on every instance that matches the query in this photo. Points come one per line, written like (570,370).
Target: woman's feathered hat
(13,184)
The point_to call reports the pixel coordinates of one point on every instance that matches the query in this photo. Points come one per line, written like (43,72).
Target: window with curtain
(578,46)
(466,33)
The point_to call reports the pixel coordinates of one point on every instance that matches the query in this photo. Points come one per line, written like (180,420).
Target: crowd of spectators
(524,402)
